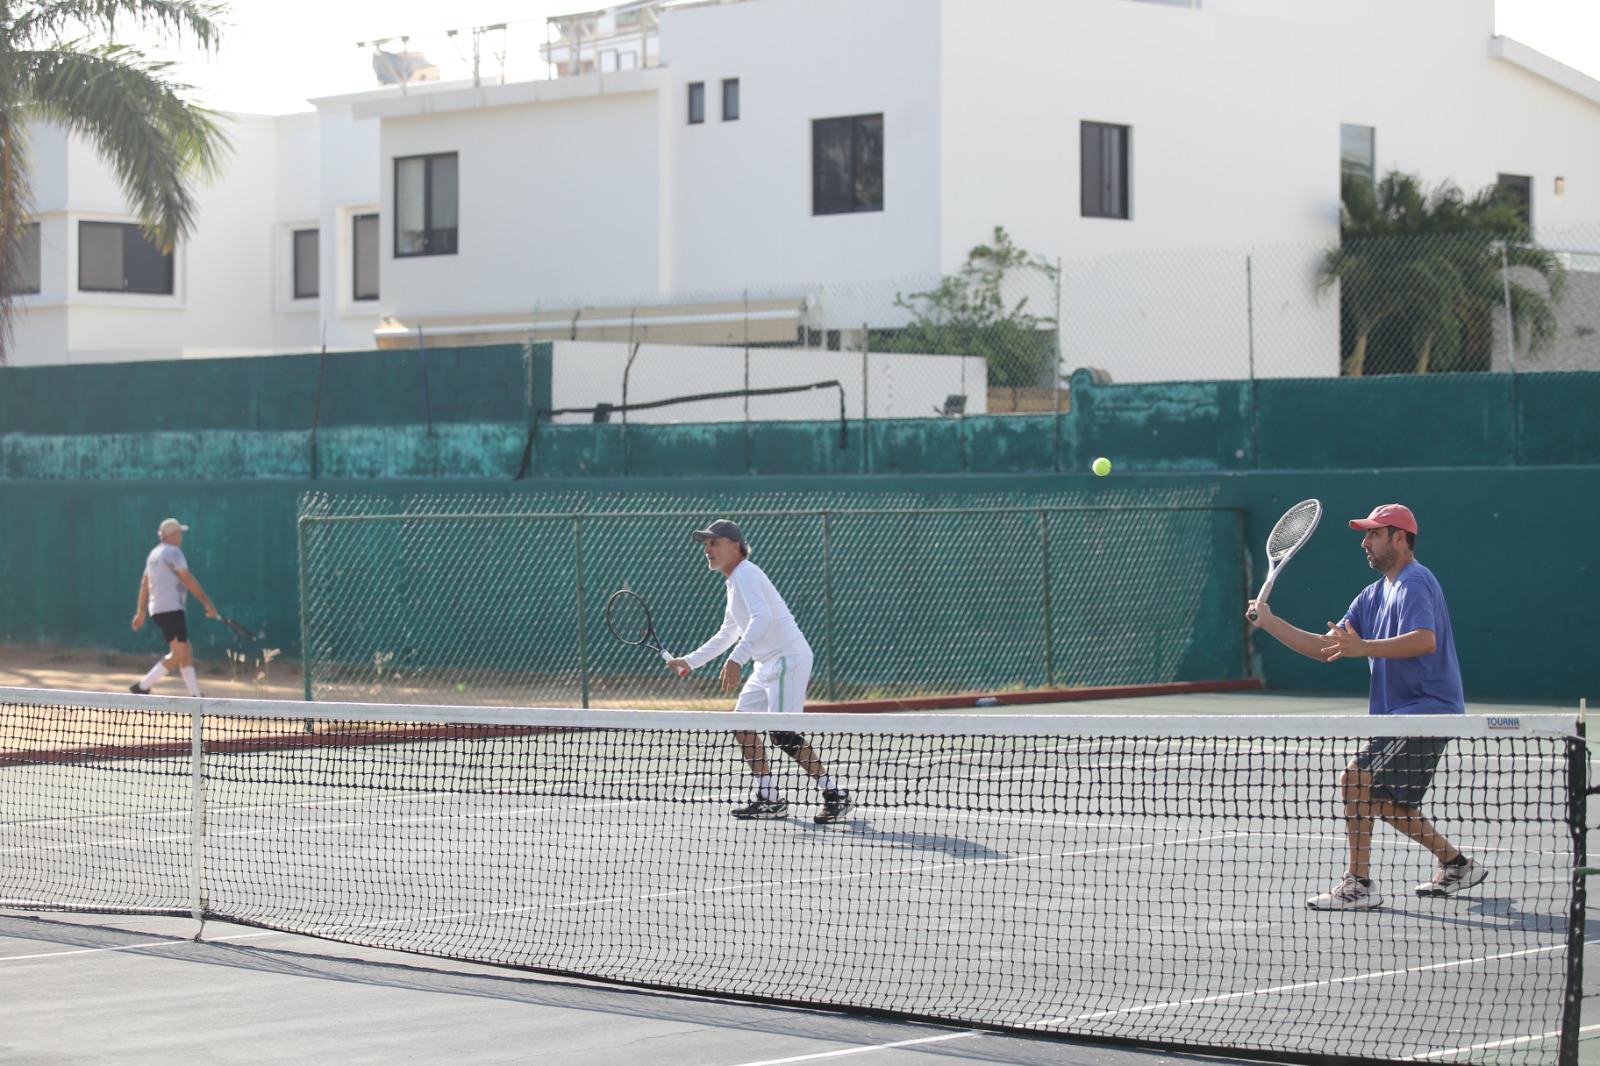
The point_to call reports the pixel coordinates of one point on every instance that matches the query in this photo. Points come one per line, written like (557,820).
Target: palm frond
(40,22)
(16,201)
(153,139)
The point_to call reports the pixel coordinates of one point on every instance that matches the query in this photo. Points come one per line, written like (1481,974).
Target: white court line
(135,947)
(1146,1008)
(863,1050)
(1496,1043)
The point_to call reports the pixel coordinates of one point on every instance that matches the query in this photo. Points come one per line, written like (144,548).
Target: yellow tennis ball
(461,686)
(1101,466)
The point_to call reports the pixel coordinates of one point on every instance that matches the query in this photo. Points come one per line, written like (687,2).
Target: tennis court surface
(1136,879)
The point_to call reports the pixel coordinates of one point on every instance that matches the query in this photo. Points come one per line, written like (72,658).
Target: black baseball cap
(723,528)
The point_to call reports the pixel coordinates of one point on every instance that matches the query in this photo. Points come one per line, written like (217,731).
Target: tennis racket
(1288,536)
(628,618)
(238,628)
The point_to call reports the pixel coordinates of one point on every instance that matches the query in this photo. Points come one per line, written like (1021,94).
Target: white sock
(764,787)
(189,679)
(157,672)
(828,783)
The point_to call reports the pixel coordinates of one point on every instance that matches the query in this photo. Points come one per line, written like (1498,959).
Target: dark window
(425,205)
(847,164)
(697,102)
(364,261)
(1105,169)
(306,263)
(1518,188)
(25,275)
(118,257)
(1358,153)
(730,99)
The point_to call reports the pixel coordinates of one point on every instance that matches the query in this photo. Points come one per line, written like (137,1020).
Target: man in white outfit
(163,590)
(757,624)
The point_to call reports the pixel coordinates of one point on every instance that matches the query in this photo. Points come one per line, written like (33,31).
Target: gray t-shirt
(161,567)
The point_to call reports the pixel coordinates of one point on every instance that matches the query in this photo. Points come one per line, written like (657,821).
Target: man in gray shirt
(163,591)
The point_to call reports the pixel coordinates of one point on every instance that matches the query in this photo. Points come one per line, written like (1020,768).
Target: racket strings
(1293,529)
(628,618)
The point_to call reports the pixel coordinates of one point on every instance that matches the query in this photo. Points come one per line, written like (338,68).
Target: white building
(810,156)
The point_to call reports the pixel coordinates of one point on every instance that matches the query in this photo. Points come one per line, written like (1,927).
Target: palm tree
(1421,275)
(58,63)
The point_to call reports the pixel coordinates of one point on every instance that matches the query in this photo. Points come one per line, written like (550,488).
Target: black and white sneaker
(138,689)
(763,808)
(1448,880)
(836,803)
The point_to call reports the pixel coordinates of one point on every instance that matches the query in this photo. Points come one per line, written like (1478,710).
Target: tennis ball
(1101,466)
(461,686)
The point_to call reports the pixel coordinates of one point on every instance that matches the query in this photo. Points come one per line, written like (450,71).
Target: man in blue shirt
(1400,623)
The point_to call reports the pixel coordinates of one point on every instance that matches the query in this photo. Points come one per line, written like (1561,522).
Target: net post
(1577,802)
(197,818)
(305,608)
(1049,620)
(583,626)
(827,600)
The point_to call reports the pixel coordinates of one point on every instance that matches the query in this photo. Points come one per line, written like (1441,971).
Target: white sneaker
(1350,894)
(1448,880)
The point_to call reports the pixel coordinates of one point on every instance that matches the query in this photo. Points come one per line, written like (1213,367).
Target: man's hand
(1257,612)
(138,620)
(1341,641)
(211,611)
(680,667)
(730,675)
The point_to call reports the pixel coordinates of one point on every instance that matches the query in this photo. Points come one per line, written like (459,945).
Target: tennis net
(1138,879)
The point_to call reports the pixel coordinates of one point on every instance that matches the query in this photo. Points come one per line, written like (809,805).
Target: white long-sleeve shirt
(756,618)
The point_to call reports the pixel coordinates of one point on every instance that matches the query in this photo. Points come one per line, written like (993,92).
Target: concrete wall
(559,195)
(741,191)
(896,385)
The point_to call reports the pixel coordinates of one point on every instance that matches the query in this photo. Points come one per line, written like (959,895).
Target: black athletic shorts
(174,625)
(1402,767)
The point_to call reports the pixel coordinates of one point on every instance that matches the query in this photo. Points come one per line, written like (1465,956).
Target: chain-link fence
(501,600)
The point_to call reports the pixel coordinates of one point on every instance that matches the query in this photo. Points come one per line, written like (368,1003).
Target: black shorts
(1402,767)
(174,625)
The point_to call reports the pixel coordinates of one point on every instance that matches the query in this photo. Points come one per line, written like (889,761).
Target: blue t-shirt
(1423,684)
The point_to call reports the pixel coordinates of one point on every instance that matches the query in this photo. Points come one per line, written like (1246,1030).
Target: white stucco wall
(348,184)
(741,191)
(595,191)
(559,197)
(897,385)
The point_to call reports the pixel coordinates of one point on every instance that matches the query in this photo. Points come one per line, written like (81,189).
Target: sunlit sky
(277,54)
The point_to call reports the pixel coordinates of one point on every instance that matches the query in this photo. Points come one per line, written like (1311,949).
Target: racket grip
(667,657)
(1261,597)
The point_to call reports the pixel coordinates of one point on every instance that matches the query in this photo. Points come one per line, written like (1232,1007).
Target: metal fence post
(866,419)
(1250,336)
(749,446)
(1511,357)
(1049,610)
(827,602)
(305,609)
(1055,384)
(583,626)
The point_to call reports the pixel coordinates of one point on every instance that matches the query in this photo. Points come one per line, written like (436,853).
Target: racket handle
(667,657)
(1261,597)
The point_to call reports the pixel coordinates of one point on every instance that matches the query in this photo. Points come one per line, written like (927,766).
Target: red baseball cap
(1397,515)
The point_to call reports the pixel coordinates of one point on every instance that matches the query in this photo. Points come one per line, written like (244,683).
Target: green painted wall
(1504,472)
(1514,549)
(252,418)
